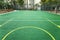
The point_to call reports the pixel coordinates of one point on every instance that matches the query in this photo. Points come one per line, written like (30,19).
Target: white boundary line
(38,28)
(6,22)
(54,13)
(30,20)
(7,12)
(35,20)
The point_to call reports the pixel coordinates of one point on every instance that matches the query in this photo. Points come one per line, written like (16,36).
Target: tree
(50,3)
(44,1)
(1,4)
(21,2)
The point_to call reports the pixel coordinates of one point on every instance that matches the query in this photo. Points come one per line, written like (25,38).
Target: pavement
(29,25)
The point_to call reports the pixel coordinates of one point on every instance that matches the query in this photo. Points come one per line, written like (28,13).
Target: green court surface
(29,25)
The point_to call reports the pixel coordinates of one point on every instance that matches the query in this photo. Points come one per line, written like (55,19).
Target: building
(30,4)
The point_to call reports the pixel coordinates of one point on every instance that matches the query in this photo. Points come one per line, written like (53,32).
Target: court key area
(29,25)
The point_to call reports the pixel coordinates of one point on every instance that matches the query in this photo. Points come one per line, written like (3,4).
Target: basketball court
(29,25)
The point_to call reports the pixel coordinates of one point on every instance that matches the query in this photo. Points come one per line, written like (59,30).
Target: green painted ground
(29,25)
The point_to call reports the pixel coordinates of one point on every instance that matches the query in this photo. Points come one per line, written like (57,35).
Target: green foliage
(1,3)
(21,2)
(51,2)
(43,0)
